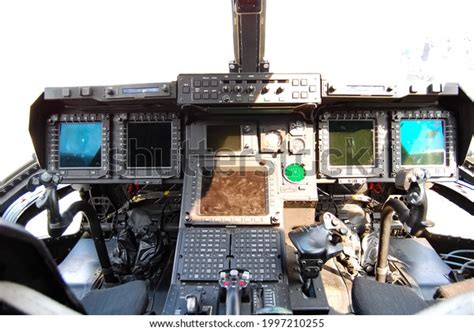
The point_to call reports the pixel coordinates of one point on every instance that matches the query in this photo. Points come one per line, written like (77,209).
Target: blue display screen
(423,142)
(140,90)
(80,145)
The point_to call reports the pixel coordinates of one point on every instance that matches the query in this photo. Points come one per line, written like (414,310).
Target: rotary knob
(226,99)
(250,89)
(226,89)
(265,90)
(110,91)
(238,88)
(279,90)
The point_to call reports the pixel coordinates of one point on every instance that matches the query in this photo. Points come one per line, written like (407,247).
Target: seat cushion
(370,297)
(127,299)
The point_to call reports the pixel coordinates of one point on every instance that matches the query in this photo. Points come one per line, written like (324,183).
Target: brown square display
(234,193)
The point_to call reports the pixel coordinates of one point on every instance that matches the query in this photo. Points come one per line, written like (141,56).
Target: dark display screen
(223,138)
(423,142)
(80,145)
(149,145)
(234,193)
(351,143)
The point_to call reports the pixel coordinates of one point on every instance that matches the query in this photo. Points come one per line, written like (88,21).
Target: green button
(295,172)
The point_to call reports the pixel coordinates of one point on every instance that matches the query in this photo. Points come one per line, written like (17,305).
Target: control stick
(234,282)
(50,202)
(315,245)
(58,223)
(412,214)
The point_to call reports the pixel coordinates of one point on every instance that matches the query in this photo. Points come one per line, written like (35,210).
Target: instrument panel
(134,133)
(368,144)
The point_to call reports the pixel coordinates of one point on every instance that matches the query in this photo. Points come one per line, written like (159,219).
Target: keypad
(206,251)
(204,254)
(258,251)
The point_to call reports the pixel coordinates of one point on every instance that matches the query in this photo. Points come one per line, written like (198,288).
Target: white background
(93,42)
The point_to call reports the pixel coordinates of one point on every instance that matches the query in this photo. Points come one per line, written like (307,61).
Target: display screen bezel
(447,171)
(380,167)
(60,141)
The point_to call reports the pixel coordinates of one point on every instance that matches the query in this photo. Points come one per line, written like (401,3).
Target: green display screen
(423,142)
(223,138)
(351,143)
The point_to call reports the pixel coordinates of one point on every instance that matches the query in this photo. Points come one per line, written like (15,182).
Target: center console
(232,250)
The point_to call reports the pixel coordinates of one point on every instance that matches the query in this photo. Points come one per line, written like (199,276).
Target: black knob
(226,89)
(279,90)
(250,89)
(238,88)
(226,98)
(110,91)
(265,90)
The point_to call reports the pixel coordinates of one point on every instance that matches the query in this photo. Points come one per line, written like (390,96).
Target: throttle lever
(233,281)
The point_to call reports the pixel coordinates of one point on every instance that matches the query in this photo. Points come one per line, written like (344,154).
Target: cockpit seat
(25,260)
(370,297)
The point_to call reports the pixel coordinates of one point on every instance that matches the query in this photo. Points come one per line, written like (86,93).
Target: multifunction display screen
(351,143)
(234,193)
(149,145)
(223,138)
(80,145)
(423,142)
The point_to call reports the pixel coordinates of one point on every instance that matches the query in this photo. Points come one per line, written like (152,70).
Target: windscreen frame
(446,170)
(380,145)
